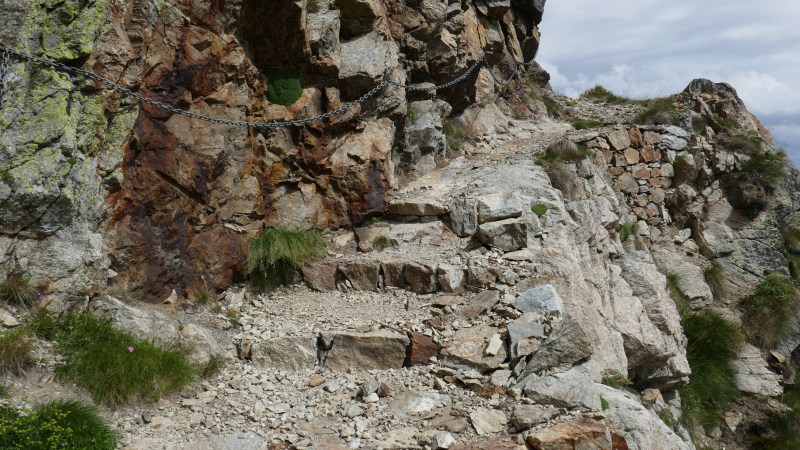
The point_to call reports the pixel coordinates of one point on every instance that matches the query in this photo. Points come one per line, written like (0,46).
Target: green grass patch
(381,243)
(44,324)
(58,424)
(715,277)
(747,143)
(15,351)
(412,114)
(769,311)
(115,367)
(553,107)
(603,403)
(659,111)
(766,168)
(603,95)
(585,124)
(539,209)
(712,343)
(277,256)
(626,230)
(202,297)
(456,135)
(284,87)
(17,290)
(564,151)
(617,381)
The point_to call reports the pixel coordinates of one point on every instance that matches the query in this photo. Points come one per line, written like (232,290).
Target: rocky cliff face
(503,287)
(95,182)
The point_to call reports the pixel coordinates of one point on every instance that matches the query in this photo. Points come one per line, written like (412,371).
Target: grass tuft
(277,256)
(44,324)
(115,367)
(747,143)
(381,243)
(313,5)
(202,297)
(564,151)
(659,111)
(412,114)
(712,343)
(603,95)
(284,87)
(626,230)
(539,209)
(769,311)
(715,277)
(455,134)
(617,380)
(767,168)
(15,351)
(585,124)
(5,391)
(785,427)
(212,367)
(17,290)
(57,424)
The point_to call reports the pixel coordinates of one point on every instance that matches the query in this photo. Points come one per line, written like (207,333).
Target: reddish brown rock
(421,278)
(363,275)
(641,172)
(636,137)
(631,156)
(607,156)
(651,154)
(393,272)
(656,182)
(363,351)
(618,442)
(479,304)
(584,434)
(420,350)
(655,172)
(509,442)
(321,275)
(616,171)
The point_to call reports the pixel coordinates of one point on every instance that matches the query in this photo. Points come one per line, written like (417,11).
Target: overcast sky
(648,48)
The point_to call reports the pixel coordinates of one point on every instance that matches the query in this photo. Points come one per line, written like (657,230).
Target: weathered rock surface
(364,351)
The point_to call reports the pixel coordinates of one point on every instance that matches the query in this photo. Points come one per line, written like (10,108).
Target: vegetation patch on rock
(768,312)
(284,87)
(277,256)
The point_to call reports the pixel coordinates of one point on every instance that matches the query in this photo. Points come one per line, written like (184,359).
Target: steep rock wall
(96,185)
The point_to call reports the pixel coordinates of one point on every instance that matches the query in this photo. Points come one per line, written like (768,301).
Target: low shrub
(603,95)
(564,151)
(17,290)
(712,343)
(15,351)
(715,277)
(659,111)
(58,424)
(212,367)
(539,209)
(768,312)
(277,256)
(381,243)
(115,367)
(455,134)
(585,124)
(284,87)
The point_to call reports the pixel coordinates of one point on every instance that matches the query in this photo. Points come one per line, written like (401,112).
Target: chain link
(4,75)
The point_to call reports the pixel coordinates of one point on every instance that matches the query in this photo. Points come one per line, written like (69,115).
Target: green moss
(284,87)
(539,209)
(603,403)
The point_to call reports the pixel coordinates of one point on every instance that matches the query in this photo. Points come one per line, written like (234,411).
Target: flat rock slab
(421,349)
(288,353)
(584,434)
(753,374)
(541,300)
(468,349)
(364,351)
(488,421)
(566,390)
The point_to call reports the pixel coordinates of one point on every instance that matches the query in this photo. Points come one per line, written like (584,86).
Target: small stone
(442,440)
(173,297)
(500,377)
(383,391)
(652,395)
(332,387)
(495,343)
(368,387)
(631,156)
(315,381)
(371,398)
(147,418)
(487,421)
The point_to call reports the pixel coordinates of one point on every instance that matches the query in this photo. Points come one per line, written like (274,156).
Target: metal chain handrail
(4,71)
